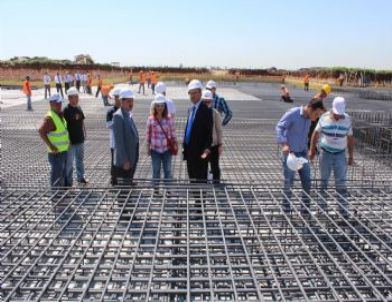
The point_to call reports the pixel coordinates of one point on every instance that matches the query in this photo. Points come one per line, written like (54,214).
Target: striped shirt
(333,133)
(222,107)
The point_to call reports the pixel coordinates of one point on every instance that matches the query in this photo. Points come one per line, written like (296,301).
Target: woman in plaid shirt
(160,127)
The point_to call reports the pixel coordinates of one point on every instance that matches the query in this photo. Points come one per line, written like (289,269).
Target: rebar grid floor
(200,244)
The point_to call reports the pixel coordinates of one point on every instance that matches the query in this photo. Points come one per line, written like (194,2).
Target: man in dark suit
(198,135)
(126,139)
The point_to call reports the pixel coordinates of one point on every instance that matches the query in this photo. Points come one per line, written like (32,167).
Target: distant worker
(27,91)
(109,124)
(154,81)
(285,94)
(322,95)
(78,79)
(53,131)
(84,81)
(220,103)
(148,78)
(142,81)
(74,116)
(306,82)
(59,86)
(47,81)
(105,89)
(99,85)
(160,88)
(89,84)
(130,78)
(68,81)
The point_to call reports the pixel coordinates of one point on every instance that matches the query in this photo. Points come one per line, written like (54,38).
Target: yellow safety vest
(59,137)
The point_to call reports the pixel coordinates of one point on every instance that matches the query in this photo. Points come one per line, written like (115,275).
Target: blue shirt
(221,105)
(293,129)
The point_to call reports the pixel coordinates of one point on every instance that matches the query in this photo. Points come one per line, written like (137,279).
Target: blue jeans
(337,163)
(75,153)
(159,159)
(57,163)
(289,175)
(29,106)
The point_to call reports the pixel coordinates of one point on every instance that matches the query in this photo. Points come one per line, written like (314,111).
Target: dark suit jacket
(201,134)
(126,139)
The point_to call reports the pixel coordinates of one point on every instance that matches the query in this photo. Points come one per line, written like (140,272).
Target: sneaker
(82,181)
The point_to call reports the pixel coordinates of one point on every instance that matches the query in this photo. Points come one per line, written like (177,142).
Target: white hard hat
(126,94)
(116,92)
(295,163)
(160,87)
(211,84)
(194,84)
(55,98)
(206,95)
(339,105)
(159,99)
(72,91)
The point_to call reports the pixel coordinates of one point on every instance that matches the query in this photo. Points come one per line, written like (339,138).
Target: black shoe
(82,181)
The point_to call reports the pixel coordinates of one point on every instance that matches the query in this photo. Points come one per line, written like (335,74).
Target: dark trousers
(286,99)
(306,86)
(66,86)
(124,177)
(197,169)
(78,85)
(153,88)
(214,163)
(98,91)
(57,163)
(113,169)
(141,85)
(47,90)
(59,88)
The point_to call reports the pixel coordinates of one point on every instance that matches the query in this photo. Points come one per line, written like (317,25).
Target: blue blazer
(126,139)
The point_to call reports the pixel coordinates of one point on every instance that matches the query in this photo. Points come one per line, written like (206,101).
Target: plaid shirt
(155,136)
(222,107)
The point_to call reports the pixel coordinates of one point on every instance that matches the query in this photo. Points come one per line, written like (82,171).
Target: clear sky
(227,33)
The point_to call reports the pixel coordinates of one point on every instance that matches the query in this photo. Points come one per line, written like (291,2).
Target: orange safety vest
(99,83)
(142,77)
(306,79)
(106,89)
(154,78)
(27,88)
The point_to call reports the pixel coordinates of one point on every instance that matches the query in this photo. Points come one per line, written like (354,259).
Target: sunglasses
(160,105)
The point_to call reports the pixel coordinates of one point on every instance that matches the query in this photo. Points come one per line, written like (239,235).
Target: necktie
(189,126)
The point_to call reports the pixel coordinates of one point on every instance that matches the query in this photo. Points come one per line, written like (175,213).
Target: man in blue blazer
(126,139)
(198,134)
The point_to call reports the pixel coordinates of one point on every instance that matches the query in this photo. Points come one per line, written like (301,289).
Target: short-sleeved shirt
(333,133)
(75,119)
(109,124)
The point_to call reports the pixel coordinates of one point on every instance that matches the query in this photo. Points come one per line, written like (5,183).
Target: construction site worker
(130,78)
(53,132)
(109,124)
(198,134)
(220,103)
(148,78)
(322,95)
(285,94)
(105,89)
(160,137)
(306,82)
(154,81)
(217,137)
(74,116)
(334,134)
(68,81)
(142,80)
(99,85)
(89,84)
(160,88)
(126,139)
(78,79)
(292,135)
(59,86)
(26,88)
(47,80)
(83,79)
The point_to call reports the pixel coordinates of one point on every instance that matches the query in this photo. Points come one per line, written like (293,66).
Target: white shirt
(69,78)
(171,107)
(84,77)
(47,79)
(58,79)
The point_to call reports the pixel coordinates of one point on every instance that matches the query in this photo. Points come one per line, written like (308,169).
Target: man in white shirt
(78,79)
(160,88)
(68,81)
(47,81)
(59,87)
(84,81)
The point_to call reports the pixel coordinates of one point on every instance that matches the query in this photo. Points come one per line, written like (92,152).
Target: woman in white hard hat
(161,139)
